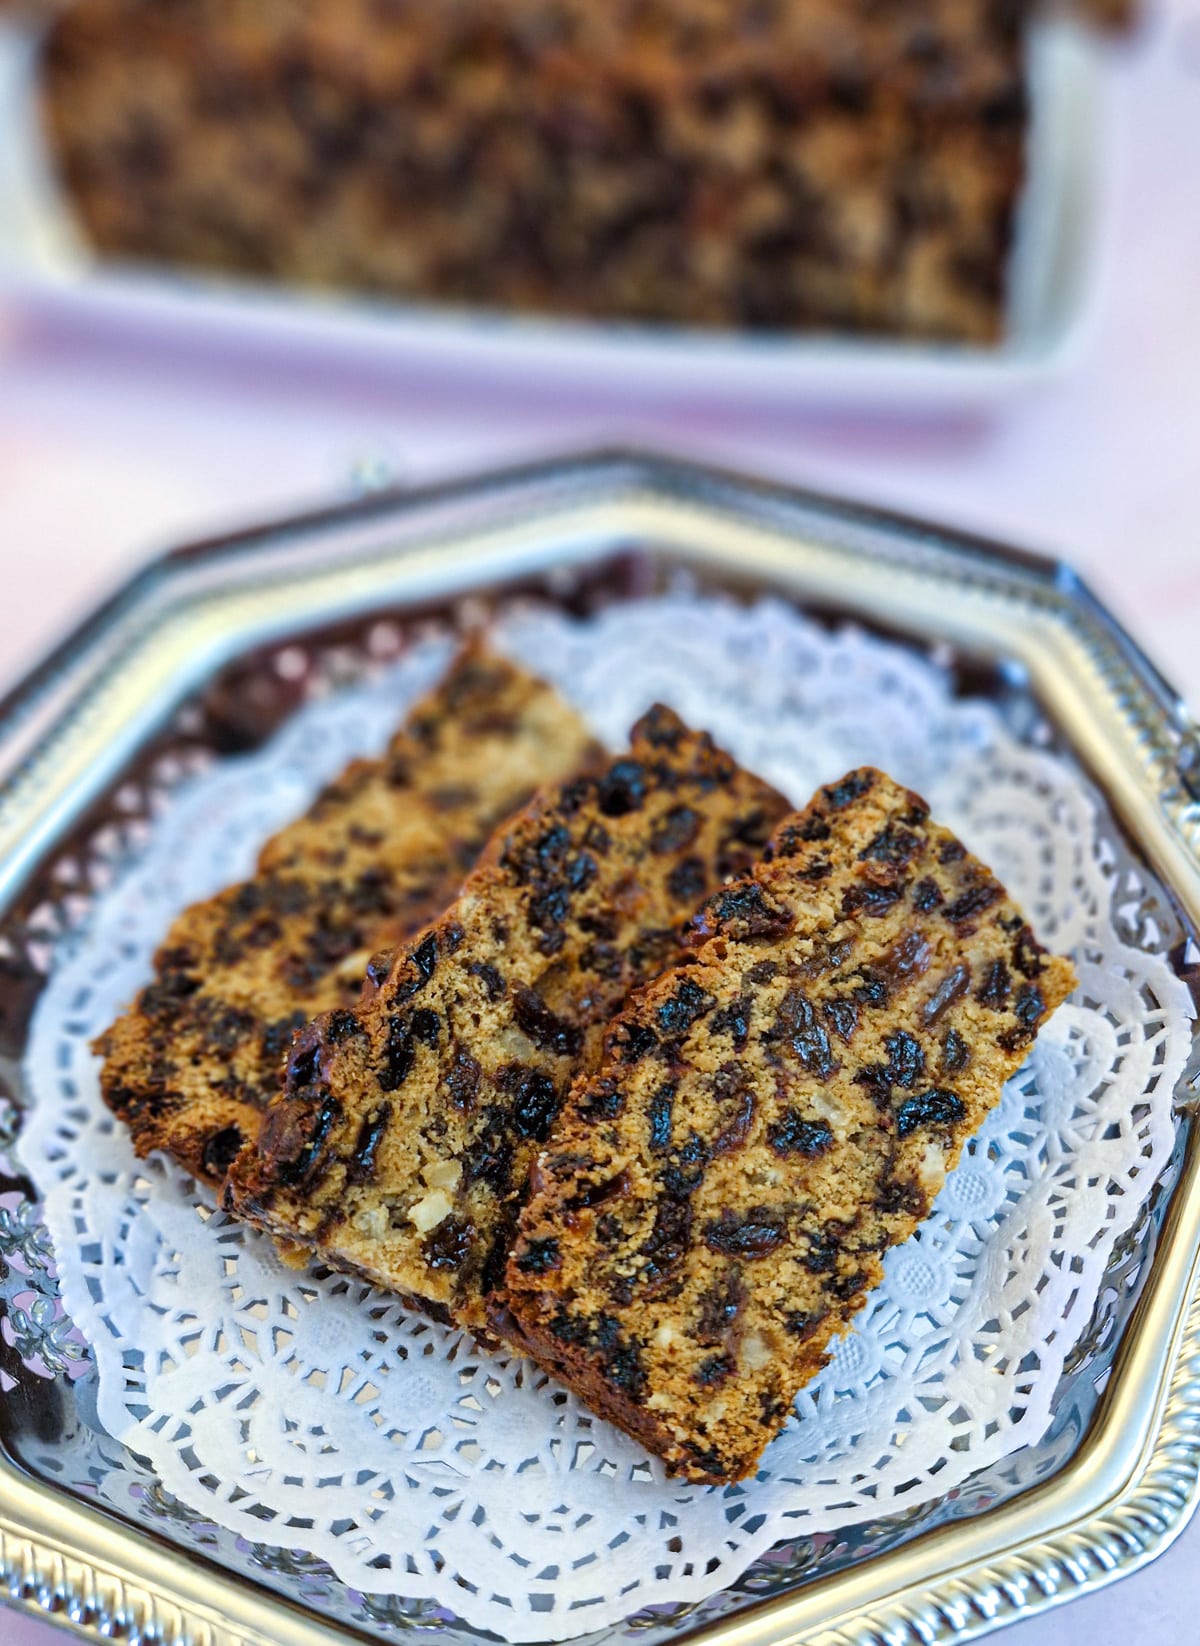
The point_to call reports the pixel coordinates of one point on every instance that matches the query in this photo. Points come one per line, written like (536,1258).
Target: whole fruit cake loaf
(767,1120)
(833,164)
(401,1143)
(383,849)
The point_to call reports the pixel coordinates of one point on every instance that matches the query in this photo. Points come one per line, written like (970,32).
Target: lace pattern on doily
(309,1411)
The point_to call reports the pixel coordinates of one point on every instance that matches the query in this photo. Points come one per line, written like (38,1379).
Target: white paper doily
(314,1413)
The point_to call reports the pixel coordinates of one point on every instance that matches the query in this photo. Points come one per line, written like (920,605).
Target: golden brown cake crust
(766,1121)
(382,850)
(402,1141)
(784,164)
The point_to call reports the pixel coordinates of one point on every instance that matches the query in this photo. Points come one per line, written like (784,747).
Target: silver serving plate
(185,663)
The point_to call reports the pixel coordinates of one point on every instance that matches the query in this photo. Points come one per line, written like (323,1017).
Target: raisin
(622,789)
(734,1020)
(819,869)
(873,989)
(793,837)
(842,1017)
(731,1082)
(688,880)
(604,959)
(551,1033)
(821,1255)
(424,961)
(399,1054)
(926,895)
(719,1309)
(1028,1010)
(303,1064)
(852,787)
(1029,1006)
(547,911)
(535,1102)
(683,1176)
(225,1026)
(796,1023)
(714,1371)
(1027,953)
(956,1053)
(896,1195)
(163,999)
(277,1036)
(801,1323)
(669,1238)
(581,871)
(906,1060)
(845,1286)
(294,1133)
(570,1329)
(539,1257)
(676,1015)
(220,1150)
(462,1081)
(996,987)
(602,1100)
(660,727)
(572,797)
(763,971)
(425,1026)
(908,957)
(743,912)
(871,899)
(654,950)
(973,901)
(340,1026)
(755,1235)
(596,1194)
(953,851)
(488,1158)
(793,1134)
(675,831)
(708,1460)
(493,982)
(893,844)
(623,1369)
(636,1041)
(952,987)
(448,1245)
(660,1118)
(600,923)
(933,1108)
(597,838)
(361,1166)
(550,849)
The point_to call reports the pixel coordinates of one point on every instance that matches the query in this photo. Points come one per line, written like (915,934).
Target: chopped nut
(756,1352)
(354,968)
(372,1221)
(430,1210)
(443,1174)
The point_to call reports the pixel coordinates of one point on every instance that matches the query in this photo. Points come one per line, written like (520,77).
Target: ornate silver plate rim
(69,729)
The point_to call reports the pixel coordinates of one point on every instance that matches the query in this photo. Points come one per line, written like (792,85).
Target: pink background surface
(114,445)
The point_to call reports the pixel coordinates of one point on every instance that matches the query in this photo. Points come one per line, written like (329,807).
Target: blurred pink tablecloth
(111,449)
